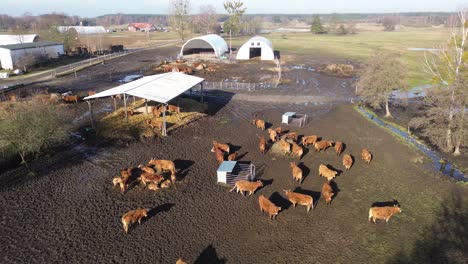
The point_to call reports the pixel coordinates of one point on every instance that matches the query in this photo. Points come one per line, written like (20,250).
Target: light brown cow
(327,192)
(180,261)
(132,217)
(296,172)
(273,135)
(284,146)
(309,140)
(162,165)
(146,177)
(297,150)
(156,112)
(219,155)
(153,187)
(154,123)
(322,145)
(122,184)
(290,135)
(278,130)
(383,212)
(173,109)
(146,168)
(233,156)
(347,161)
(300,199)
(262,145)
(326,172)
(70,98)
(129,112)
(166,184)
(338,147)
(91,93)
(221,146)
(246,186)
(366,155)
(12,97)
(259,123)
(268,207)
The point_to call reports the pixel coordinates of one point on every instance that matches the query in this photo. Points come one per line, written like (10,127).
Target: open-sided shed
(160,88)
(208,45)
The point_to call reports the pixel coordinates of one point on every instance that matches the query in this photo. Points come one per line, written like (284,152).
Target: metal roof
(83,30)
(159,88)
(217,43)
(17,39)
(261,39)
(30,45)
(227,166)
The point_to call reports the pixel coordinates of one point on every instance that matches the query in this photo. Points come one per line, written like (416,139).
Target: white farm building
(18,39)
(12,55)
(208,45)
(256,47)
(83,30)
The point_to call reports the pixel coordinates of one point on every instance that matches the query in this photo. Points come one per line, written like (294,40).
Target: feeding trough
(229,172)
(294,119)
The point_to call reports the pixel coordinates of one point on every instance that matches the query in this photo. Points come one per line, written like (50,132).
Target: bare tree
(235,10)
(180,16)
(383,74)
(207,20)
(389,23)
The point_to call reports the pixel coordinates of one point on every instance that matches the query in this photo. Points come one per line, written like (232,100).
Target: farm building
(14,54)
(83,30)
(18,39)
(208,45)
(256,47)
(146,27)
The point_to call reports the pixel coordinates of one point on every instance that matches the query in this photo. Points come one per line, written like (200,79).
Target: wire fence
(238,86)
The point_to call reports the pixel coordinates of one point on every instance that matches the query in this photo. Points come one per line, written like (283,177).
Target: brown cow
(246,186)
(285,146)
(70,98)
(156,112)
(327,192)
(91,93)
(180,261)
(299,198)
(268,207)
(166,184)
(221,146)
(146,177)
(119,181)
(233,156)
(326,172)
(129,112)
(290,135)
(322,145)
(162,165)
(278,130)
(153,187)
(11,97)
(146,168)
(347,161)
(308,140)
(173,109)
(297,150)
(338,147)
(219,155)
(259,123)
(133,216)
(383,212)
(296,172)
(366,155)
(262,145)
(273,135)
(154,123)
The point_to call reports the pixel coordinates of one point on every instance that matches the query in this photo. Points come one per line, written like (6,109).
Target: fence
(228,85)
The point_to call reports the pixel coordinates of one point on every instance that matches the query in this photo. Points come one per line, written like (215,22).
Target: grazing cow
(91,93)
(153,187)
(327,192)
(146,168)
(300,199)
(347,161)
(154,123)
(296,172)
(308,140)
(246,186)
(268,207)
(338,147)
(129,112)
(262,145)
(166,184)
(117,96)
(273,135)
(180,261)
(383,212)
(162,165)
(291,135)
(70,98)
(322,145)
(12,97)
(132,217)
(121,183)
(259,123)
(219,155)
(221,146)
(297,150)
(285,146)
(366,155)
(146,177)
(233,156)
(156,112)
(326,172)
(173,109)
(278,130)
(127,172)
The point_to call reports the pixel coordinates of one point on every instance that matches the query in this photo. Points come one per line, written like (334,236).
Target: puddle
(105,108)
(458,175)
(301,68)
(130,78)
(419,91)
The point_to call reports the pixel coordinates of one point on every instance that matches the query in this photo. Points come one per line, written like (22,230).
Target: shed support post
(133,99)
(115,104)
(146,105)
(125,107)
(91,114)
(201,92)
(191,93)
(164,130)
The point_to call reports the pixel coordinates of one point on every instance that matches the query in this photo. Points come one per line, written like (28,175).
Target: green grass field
(361,46)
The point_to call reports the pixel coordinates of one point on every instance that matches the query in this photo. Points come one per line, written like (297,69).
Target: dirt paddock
(69,212)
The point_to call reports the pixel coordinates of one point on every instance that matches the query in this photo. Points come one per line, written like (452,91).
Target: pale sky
(92,8)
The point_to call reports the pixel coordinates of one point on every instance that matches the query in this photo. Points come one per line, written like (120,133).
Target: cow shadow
(280,201)
(335,189)
(305,151)
(383,204)
(183,167)
(209,255)
(259,171)
(343,149)
(267,182)
(233,148)
(339,172)
(305,171)
(241,156)
(157,210)
(315,195)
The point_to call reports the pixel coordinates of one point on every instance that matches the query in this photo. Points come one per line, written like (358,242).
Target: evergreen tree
(317,26)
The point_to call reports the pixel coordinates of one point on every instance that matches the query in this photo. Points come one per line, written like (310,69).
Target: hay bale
(277,150)
(341,70)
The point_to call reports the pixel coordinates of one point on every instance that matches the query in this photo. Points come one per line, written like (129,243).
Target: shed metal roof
(159,88)
(17,39)
(214,41)
(30,45)
(83,30)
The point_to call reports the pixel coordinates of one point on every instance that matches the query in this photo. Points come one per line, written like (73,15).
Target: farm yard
(68,210)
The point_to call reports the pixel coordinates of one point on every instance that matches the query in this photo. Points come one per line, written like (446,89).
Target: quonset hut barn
(18,39)
(256,47)
(209,45)
(11,55)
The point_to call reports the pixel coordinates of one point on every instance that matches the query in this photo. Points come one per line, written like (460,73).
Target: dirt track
(70,213)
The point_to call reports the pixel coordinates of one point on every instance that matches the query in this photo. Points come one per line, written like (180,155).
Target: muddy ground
(69,212)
